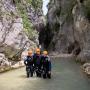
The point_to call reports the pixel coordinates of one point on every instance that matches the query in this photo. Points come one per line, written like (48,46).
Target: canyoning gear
(37,64)
(46,65)
(45,53)
(38,51)
(29,65)
(28,61)
(29,71)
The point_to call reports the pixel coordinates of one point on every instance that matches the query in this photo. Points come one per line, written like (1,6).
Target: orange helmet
(30,52)
(45,52)
(38,51)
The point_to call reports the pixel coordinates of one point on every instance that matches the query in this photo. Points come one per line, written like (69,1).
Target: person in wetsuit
(37,63)
(46,65)
(29,64)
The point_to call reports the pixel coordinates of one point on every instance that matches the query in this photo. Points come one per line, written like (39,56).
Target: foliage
(35,3)
(87,8)
(22,10)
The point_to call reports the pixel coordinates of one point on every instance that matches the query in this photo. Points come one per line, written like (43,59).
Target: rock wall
(68,28)
(13,40)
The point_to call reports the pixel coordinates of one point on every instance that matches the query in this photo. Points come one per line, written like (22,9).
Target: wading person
(37,62)
(29,64)
(46,65)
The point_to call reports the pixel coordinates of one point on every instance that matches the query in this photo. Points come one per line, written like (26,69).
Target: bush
(26,22)
(35,3)
(87,9)
(22,8)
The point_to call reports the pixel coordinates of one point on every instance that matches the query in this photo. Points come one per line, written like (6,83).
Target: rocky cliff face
(68,28)
(14,24)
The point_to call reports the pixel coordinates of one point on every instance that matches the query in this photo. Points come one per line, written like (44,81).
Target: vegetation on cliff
(87,8)
(22,7)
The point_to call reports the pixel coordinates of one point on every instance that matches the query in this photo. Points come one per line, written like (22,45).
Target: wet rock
(4,63)
(86,68)
(3,60)
(18,65)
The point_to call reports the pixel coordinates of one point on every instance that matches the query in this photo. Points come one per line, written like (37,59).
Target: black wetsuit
(46,64)
(29,65)
(37,64)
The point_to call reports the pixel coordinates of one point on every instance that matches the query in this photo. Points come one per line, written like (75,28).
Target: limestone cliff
(68,28)
(17,32)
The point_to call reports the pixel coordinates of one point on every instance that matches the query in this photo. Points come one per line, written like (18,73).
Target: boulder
(86,68)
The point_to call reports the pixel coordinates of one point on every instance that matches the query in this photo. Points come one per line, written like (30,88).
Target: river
(66,75)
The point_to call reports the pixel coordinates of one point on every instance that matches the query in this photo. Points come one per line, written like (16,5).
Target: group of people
(38,63)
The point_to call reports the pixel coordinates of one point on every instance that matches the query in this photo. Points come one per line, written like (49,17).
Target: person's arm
(25,60)
(50,65)
(42,62)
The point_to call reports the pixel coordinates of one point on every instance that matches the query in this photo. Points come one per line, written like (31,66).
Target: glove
(49,72)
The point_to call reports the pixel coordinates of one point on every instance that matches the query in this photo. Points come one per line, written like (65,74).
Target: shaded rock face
(36,17)
(68,27)
(13,41)
(38,20)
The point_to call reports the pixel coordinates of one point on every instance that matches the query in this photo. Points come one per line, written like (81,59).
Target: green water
(66,75)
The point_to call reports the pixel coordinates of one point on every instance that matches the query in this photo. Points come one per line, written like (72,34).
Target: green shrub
(22,11)
(87,8)
(35,3)
(26,22)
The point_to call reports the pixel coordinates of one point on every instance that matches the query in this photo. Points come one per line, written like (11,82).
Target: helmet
(45,52)
(38,51)
(30,52)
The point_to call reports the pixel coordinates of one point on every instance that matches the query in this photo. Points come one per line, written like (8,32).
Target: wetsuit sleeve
(49,62)
(25,60)
(50,66)
(41,59)
(33,58)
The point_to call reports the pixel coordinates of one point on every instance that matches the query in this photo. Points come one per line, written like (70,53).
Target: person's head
(38,51)
(45,53)
(30,52)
